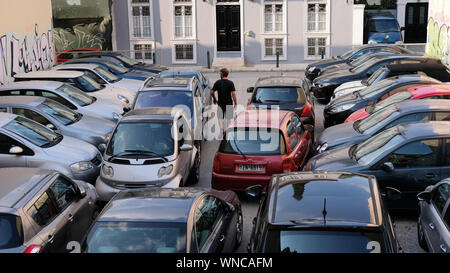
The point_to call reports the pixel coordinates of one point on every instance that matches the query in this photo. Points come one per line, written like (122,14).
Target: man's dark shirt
(224,89)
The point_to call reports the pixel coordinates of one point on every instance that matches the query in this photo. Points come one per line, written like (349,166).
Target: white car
(82,81)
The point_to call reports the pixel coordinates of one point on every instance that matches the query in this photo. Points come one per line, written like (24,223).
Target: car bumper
(238,182)
(330,119)
(88,176)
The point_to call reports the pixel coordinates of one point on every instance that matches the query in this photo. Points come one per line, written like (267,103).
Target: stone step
(228,62)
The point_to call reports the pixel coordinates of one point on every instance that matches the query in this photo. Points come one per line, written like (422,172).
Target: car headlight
(123,99)
(81,166)
(116,116)
(341,108)
(108,171)
(311,69)
(322,148)
(165,171)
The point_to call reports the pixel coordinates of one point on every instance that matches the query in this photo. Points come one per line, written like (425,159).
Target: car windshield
(377,76)
(253,142)
(363,67)
(387,25)
(110,77)
(136,237)
(11,232)
(76,94)
(60,112)
(175,74)
(366,125)
(361,60)
(370,149)
(127,60)
(324,241)
(348,54)
(156,98)
(397,97)
(34,132)
(147,139)
(87,84)
(376,88)
(279,95)
(118,68)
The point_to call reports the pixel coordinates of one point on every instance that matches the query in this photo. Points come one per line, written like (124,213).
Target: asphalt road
(405,225)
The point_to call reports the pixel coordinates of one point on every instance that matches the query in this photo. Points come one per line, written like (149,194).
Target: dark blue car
(381,28)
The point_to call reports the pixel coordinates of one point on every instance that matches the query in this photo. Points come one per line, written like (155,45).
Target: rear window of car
(11,232)
(253,142)
(279,95)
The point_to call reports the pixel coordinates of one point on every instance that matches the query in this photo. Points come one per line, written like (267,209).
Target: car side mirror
(392,194)
(255,191)
(388,167)
(186,148)
(102,147)
(229,207)
(250,89)
(424,196)
(15,150)
(123,99)
(126,109)
(81,192)
(50,126)
(309,127)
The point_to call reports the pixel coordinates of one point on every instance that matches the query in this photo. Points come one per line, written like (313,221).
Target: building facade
(186,32)
(438,39)
(413,16)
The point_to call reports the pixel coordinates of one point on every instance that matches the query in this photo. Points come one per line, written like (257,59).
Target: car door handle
(443,248)
(70,219)
(222,238)
(51,238)
(431,225)
(430,175)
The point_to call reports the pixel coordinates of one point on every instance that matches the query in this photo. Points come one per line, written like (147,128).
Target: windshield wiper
(144,152)
(239,150)
(275,101)
(53,142)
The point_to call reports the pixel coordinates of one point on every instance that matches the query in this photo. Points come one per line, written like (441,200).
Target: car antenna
(324,212)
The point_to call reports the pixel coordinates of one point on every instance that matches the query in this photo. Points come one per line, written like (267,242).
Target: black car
(124,61)
(313,69)
(183,220)
(408,157)
(323,86)
(338,110)
(284,92)
(322,212)
(349,133)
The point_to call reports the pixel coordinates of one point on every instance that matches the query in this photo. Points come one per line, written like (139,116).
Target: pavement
(405,224)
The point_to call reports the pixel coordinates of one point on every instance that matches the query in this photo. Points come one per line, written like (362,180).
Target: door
(434,224)
(228,23)
(416,20)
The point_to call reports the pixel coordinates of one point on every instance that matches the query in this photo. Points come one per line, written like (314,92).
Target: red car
(70,54)
(258,144)
(429,91)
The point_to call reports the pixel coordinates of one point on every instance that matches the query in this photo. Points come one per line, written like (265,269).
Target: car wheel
(239,229)
(195,171)
(421,236)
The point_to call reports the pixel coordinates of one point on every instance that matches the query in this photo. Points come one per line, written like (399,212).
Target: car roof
(258,118)
(419,90)
(424,129)
(151,113)
(100,53)
(430,64)
(57,74)
(22,100)
(423,105)
(33,85)
(17,182)
(300,199)
(412,77)
(279,81)
(178,72)
(153,205)
(88,60)
(168,83)
(89,66)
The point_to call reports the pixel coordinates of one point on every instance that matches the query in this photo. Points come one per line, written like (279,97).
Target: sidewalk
(249,68)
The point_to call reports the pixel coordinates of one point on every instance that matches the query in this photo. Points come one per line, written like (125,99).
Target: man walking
(226,96)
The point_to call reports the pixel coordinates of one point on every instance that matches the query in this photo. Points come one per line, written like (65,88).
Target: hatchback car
(184,220)
(258,144)
(43,210)
(25,143)
(322,212)
(59,118)
(408,157)
(357,131)
(82,81)
(433,226)
(150,147)
(381,27)
(67,95)
(338,110)
(285,93)
(432,91)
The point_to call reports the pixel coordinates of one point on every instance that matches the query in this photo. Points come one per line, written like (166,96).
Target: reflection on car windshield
(397,97)
(110,77)
(34,132)
(145,137)
(376,118)
(119,68)
(383,26)
(253,142)
(365,66)
(136,237)
(76,94)
(376,88)
(376,76)
(361,60)
(88,84)
(127,60)
(279,95)
(169,98)
(62,113)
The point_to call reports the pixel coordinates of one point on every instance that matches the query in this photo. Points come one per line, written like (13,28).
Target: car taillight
(33,249)
(287,166)
(307,110)
(216,166)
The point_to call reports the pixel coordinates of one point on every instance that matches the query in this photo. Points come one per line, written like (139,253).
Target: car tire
(239,229)
(421,237)
(194,174)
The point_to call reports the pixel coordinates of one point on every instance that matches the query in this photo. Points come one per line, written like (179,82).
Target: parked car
(408,157)
(150,147)
(255,147)
(59,118)
(179,92)
(324,86)
(434,218)
(82,81)
(25,143)
(116,69)
(349,133)
(69,54)
(381,27)
(338,110)
(313,69)
(67,95)
(431,91)
(102,75)
(322,212)
(43,210)
(125,61)
(283,92)
(184,220)
(434,70)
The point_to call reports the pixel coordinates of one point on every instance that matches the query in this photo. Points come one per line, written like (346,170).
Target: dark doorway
(416,20)
(228,21)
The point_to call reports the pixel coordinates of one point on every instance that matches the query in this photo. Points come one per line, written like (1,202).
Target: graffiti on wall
(438,40)
(24,53)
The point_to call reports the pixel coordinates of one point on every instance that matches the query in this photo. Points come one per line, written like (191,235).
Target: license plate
(251,168)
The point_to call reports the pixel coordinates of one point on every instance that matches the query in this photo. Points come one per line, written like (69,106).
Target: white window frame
(131,23)
(274,34)
(142,42)
(194,52)
(193,4)
(274,57)
(263,16)
(317,34)
(327,46)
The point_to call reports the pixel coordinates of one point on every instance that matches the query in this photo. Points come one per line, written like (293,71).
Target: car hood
(348,85)
(336,67)
(104,109)
(283,106)
(153,67)
(345,99)
(94,125)
(130,84)
(142,75)
(340,135)
(337,77)
(335,160)
(72,150)
(111,93)
(326,62)
(358,115)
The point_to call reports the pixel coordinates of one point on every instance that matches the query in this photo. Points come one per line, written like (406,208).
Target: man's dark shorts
(223,113)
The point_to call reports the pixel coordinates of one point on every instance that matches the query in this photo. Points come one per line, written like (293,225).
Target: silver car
(25,143)
(59,118)
(43,210)
(102,76)
(67,95)
(433,226)
(150,147)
